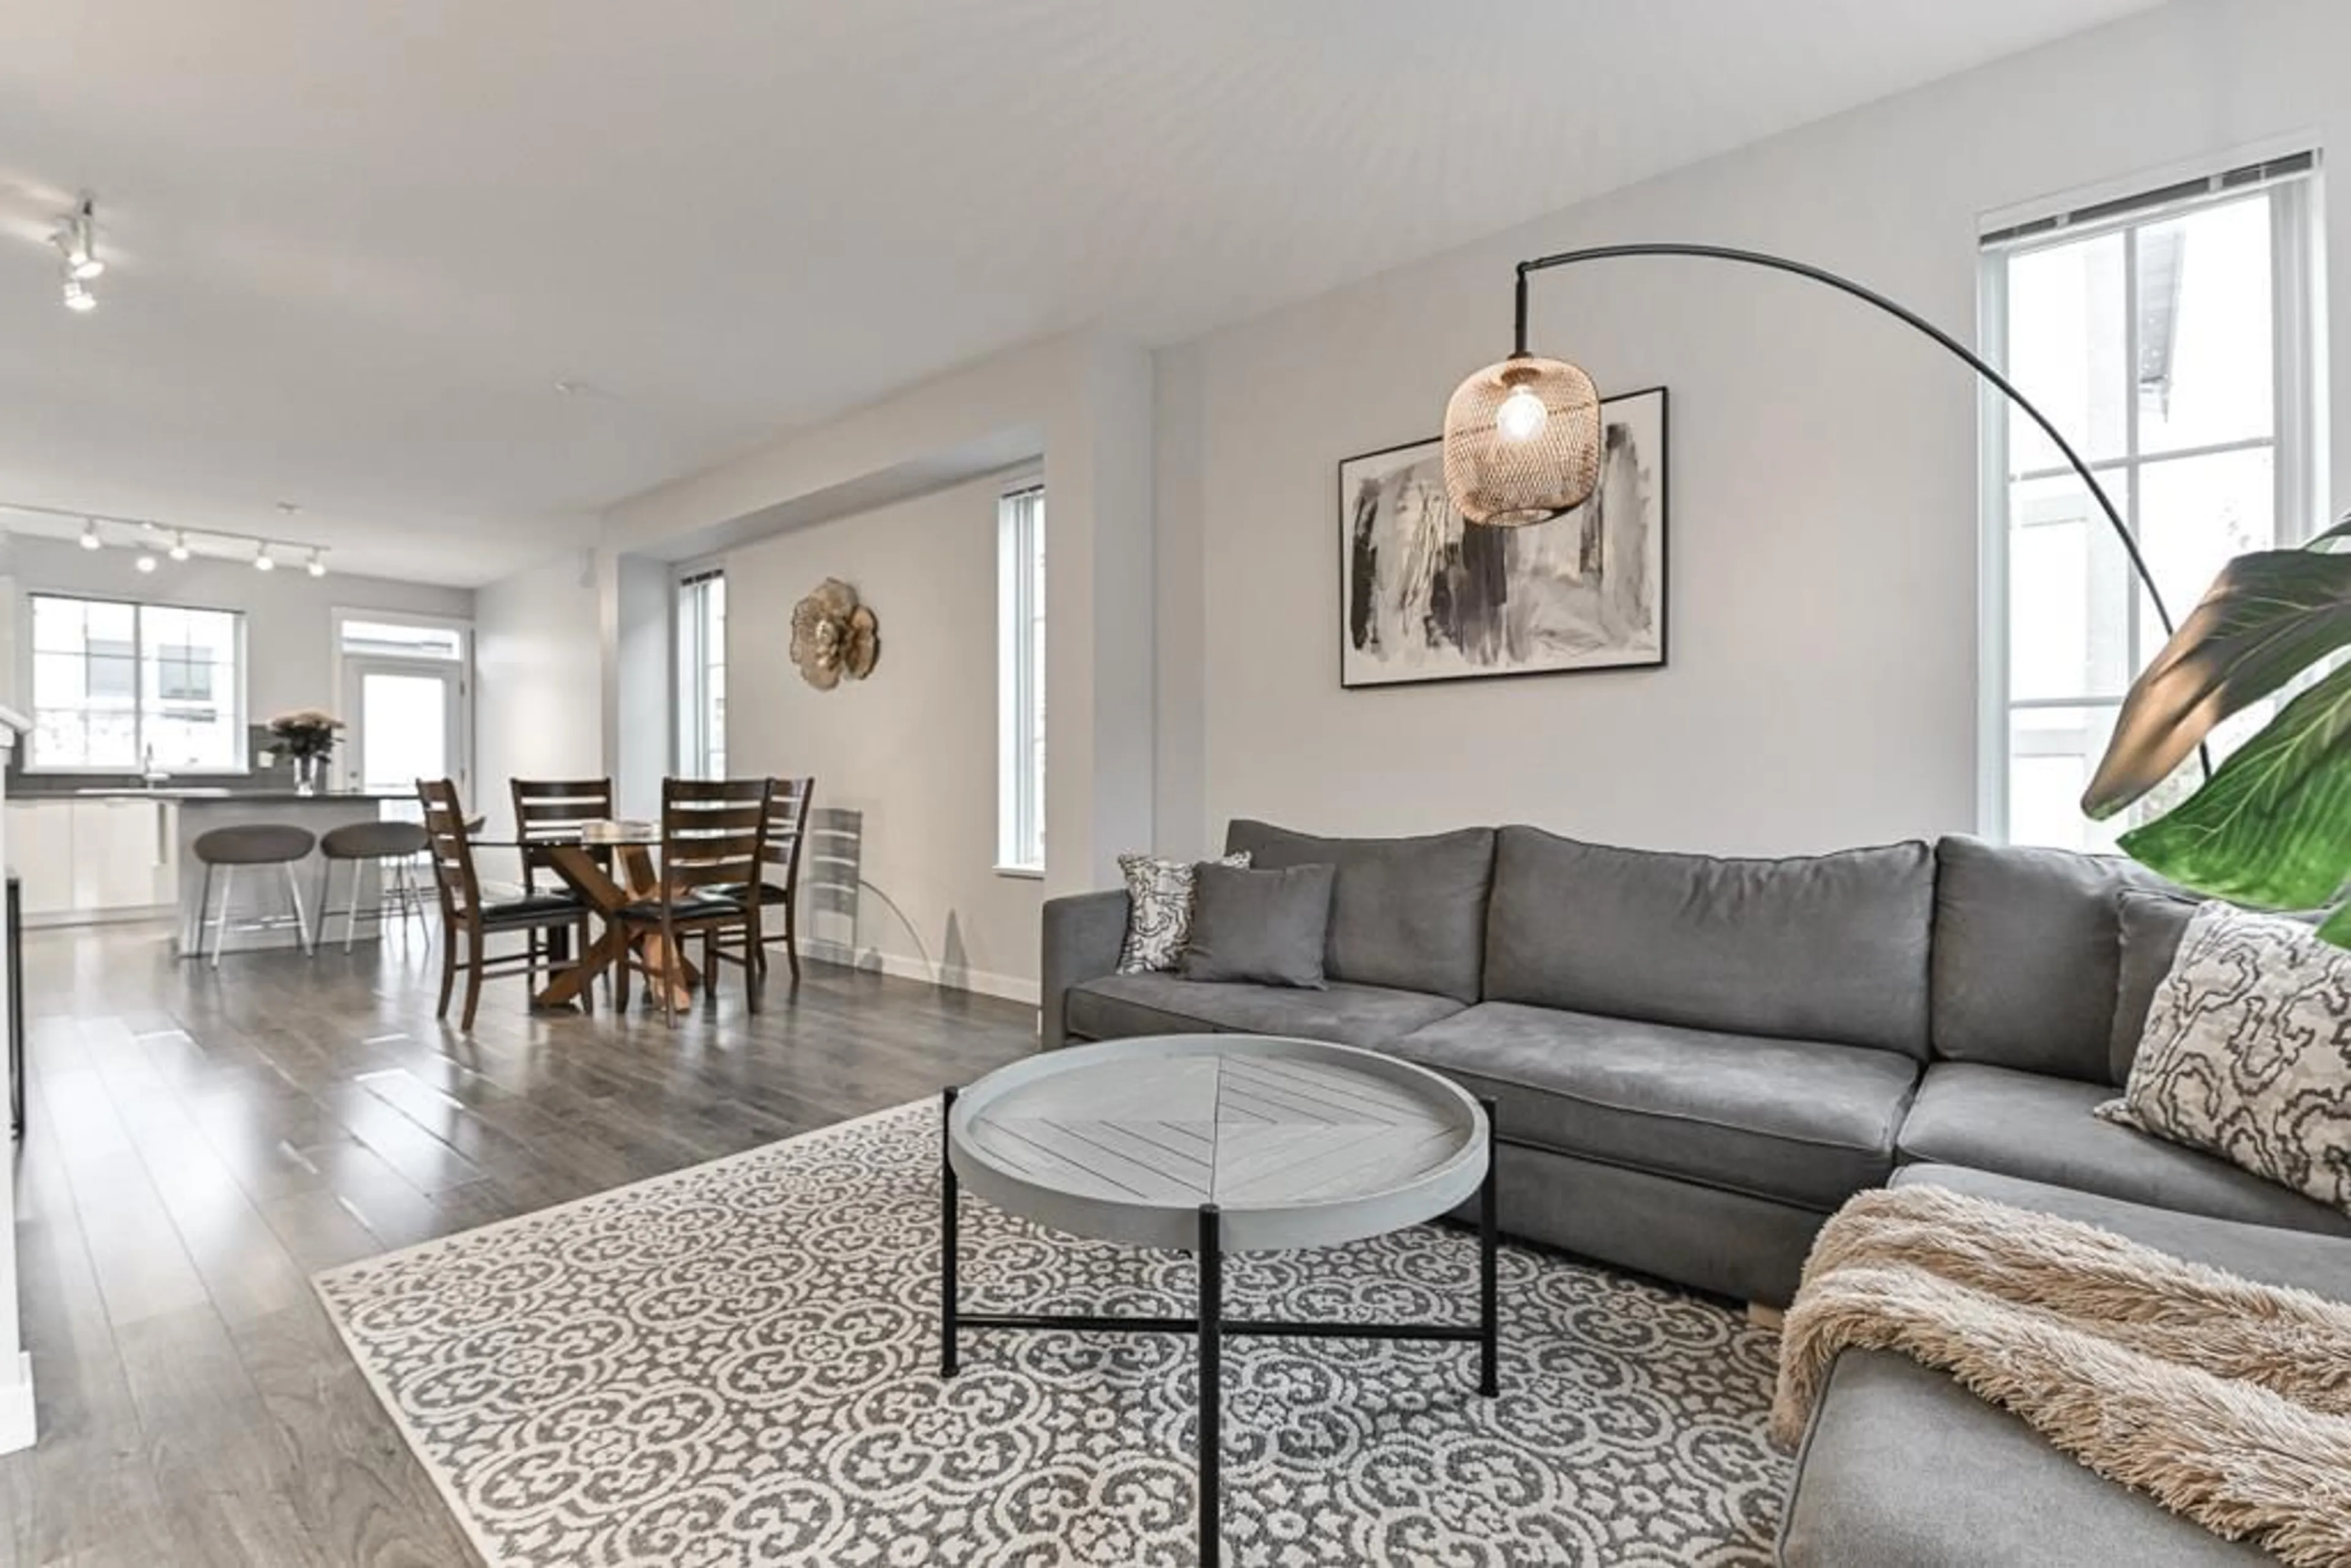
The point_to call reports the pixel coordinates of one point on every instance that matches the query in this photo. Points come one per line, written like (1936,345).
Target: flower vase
(309,773)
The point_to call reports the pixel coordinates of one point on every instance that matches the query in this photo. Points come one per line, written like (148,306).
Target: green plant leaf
(2272,827)
(2269,616)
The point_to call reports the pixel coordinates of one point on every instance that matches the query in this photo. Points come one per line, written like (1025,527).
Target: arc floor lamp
(1522,437)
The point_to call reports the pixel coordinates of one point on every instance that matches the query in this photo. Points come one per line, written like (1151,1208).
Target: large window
(2169,338)
(1020,679)
(119,686)
(702,675)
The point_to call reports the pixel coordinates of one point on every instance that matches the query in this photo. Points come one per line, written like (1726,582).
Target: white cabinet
(89,859)
(40,852)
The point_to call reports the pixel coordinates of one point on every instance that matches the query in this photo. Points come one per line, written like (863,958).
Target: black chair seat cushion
(541,909)
(707,906)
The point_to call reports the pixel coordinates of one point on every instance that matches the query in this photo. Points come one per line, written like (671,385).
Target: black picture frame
(1369,466)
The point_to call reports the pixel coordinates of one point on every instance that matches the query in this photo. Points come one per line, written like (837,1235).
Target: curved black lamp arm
(1908,318)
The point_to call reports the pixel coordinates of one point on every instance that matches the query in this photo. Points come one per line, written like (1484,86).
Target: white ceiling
(356,245)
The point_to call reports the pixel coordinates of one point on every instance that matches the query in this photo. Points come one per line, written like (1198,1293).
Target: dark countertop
(198,796)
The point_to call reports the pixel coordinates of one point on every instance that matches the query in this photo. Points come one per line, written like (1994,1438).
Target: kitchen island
(260,891)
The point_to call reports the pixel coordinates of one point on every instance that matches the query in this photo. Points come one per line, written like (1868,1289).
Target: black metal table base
(1213,1327)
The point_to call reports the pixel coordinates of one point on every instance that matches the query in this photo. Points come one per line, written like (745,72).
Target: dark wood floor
(201,1142)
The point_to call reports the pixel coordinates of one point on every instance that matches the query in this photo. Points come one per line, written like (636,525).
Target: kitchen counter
(260,891)
(193,795)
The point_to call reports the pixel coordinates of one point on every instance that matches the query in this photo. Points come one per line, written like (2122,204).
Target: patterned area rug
(738,1365)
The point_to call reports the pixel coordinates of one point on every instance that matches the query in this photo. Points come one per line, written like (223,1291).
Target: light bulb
(261,560)
(146,561)
(318,566)
(179,546)
(78,299)
(81,263)
(89,540)
(1521,416)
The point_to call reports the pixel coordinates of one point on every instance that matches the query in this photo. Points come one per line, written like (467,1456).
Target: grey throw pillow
(1267,928)
(2248,1053)
(1158,911)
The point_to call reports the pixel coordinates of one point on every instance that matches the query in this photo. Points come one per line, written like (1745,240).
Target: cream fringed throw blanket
(2226,1401)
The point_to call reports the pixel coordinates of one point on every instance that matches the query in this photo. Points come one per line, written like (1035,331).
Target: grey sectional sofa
(1698,1060)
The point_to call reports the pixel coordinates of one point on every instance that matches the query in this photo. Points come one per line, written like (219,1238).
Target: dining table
(609,865)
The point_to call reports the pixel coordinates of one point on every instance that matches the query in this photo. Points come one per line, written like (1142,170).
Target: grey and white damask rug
(738,1365)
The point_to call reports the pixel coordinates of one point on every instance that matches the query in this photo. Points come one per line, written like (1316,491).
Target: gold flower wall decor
(834,636)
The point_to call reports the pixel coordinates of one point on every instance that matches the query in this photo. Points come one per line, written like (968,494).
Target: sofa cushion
(2149,926)
(1408,913)
(2027,956)
(1824,947)
(1903,1464)
(2024,1124)
(2320,1264)
(1117,1007)
(1799,1122)
(1905,1468)
(1262,928)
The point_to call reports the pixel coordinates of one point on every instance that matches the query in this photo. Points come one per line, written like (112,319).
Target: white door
(407,723)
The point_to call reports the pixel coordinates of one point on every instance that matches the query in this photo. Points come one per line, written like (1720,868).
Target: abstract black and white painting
(1427,596)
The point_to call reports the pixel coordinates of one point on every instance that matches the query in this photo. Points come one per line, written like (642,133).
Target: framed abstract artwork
(1427,596)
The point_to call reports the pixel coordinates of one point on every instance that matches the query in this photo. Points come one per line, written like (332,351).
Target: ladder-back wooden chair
(548,811)
(713,833)
(779,881)
(468,920)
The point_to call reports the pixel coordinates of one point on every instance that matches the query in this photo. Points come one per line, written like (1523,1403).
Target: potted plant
(308,736)
(2271,827)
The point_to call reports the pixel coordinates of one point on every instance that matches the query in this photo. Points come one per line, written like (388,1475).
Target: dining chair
(713,834)
(548,811)
(465,914)
(779,882)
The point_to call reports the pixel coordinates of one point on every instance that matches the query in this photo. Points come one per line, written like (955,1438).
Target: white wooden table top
(1297,1142)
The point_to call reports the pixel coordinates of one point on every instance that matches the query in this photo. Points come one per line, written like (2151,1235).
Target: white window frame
(242,681)
(347,754)
(1021,750)
(691,661)
(2298,438)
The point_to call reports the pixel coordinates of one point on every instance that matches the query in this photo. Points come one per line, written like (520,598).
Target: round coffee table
(1213,1143)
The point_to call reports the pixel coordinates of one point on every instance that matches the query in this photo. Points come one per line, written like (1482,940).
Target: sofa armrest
(1082,936)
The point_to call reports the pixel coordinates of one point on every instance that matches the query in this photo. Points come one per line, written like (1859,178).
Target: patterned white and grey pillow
(1159,910)
(2247,1054)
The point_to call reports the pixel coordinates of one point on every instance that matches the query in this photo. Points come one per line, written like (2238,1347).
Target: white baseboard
(17,1407)
(1011,988)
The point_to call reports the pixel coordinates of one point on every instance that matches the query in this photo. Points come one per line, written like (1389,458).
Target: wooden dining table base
(578,866)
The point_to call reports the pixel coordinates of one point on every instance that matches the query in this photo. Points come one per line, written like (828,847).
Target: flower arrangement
(305,733)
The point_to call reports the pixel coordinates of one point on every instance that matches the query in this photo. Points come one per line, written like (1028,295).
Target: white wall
(1823,490)
(909,754)
(537,705)
(288,626)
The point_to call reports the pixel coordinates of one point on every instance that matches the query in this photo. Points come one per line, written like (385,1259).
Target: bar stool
(393,846)
(257,843)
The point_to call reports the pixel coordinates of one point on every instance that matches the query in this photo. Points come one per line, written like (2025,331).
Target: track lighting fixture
(78,299)
(152,543)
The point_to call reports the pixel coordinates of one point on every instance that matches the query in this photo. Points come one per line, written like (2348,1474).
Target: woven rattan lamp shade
(1506,482)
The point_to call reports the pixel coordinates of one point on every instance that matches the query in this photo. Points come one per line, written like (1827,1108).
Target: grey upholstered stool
(257,843)
(393,846)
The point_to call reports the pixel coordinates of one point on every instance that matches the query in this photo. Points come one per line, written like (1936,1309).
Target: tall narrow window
(1020,680)
(2169,337)
(702,675)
